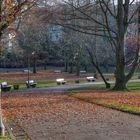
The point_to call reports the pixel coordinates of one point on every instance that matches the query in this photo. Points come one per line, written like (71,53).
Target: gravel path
(57,116)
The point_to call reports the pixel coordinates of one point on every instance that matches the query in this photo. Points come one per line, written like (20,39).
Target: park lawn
(134,86)
(48,79)
(131,86)
(23,86)
(86,88)
(44,84)
(41,74)
(123,101)
(6,137)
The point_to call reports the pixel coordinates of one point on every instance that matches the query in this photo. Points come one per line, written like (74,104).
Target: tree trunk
(71,68)
(45,65)
(66,65)
(28,62)
(34,67)
(108,85)
(120,83)
(106,67)
(34,64)
(78,68)
(85,68)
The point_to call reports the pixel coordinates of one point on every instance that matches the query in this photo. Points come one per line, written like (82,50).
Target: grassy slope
(112,105)
(122,107)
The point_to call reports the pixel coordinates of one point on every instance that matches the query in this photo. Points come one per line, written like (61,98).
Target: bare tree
(114,18)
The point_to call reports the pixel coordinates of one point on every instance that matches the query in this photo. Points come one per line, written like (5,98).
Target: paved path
(57,116)
(65,87)
(73,86)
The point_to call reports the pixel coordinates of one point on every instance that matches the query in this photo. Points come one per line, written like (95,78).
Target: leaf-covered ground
(125,98)
(55,116)
(41,74)
(123,101)
(44,75)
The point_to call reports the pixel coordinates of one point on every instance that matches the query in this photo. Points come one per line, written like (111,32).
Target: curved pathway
(61,88)
(72,86)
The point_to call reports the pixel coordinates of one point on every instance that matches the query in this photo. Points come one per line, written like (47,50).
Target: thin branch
(134,13)
(89,33)
(89,17)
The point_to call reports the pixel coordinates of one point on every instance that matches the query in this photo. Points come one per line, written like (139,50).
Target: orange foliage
(11,10)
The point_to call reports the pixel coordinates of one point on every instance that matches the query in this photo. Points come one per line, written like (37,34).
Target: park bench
(82,71)
(5,86)
(26,71)
(57,71)
(91,79)
(31,83)
(60,81)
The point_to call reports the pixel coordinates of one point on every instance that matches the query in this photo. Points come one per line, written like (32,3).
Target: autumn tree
(11,10)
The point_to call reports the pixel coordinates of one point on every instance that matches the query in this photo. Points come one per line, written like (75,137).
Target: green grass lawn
(86,88)
(6,137)
(131,86)
(43,83)
(134,86)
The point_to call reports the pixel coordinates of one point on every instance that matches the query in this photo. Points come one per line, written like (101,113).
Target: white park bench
(5,86)
(82,71)
(60,81)
(31,83)
(57,71)
(91,79)
(26,71)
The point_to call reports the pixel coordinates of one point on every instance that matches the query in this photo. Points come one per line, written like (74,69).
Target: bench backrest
(91,77)
(82,71)
(27,71)
(57,71)
(4,84)
(30,81)
(60,80)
